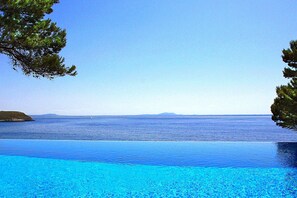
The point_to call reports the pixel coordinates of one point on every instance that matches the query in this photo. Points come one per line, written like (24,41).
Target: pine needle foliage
(284,108)
(30,40)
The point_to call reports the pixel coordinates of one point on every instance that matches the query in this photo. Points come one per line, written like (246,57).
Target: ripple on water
(30,177)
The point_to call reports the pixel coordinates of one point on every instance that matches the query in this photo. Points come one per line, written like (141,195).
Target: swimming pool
(35,168)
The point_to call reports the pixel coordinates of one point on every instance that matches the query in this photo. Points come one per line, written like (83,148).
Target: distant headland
(14,116)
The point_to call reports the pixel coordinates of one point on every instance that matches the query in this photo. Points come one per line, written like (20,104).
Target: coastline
(16,120)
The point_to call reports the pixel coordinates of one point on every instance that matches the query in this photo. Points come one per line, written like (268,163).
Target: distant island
(14,116)
(52,115)
(167,114)
(48,115)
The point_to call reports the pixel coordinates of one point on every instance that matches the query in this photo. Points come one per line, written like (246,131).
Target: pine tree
(284,108)
(32,42)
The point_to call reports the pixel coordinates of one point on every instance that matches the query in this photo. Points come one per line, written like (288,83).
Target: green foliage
(290,57)
(284,108)
(32,42)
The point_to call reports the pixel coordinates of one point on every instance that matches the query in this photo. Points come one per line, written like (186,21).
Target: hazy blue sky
(134,57)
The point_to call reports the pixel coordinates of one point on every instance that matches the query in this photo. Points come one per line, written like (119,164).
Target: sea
(252,128)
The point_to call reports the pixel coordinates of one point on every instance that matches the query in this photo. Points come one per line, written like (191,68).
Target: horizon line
(159,114)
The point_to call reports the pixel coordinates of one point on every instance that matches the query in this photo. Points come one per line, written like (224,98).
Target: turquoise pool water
(48,169)
(35,177)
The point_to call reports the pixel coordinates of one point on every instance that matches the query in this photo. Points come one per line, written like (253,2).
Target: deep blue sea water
(164,128)
(50,168)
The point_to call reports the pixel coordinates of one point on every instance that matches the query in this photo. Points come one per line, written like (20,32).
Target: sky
(152,56)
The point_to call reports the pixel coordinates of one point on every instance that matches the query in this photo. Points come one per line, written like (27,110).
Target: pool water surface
(34,168)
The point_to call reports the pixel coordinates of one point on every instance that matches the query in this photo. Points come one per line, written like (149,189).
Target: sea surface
(150,128)
(71,168)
